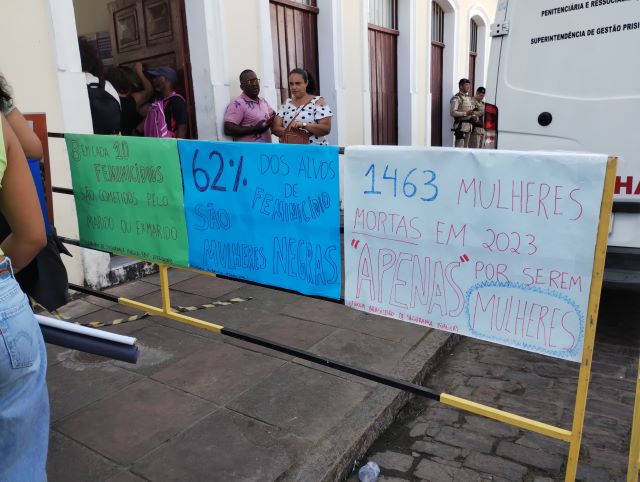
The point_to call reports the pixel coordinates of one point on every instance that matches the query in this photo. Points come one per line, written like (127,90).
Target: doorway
(149,31)
(294,35)
(437,72)
(383,73)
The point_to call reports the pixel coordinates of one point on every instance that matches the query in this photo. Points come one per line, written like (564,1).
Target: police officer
(461,109)
(476,140)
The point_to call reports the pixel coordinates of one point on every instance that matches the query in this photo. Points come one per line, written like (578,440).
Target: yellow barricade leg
(591,321)
(164,288)
(634,448)
(166,309)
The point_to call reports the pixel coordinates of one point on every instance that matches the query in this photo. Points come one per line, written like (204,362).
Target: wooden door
(154,32)
(383,73)
(437,67)
(437,64)
(294,36)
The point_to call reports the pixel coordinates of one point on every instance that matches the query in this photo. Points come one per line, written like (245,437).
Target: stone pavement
(433,442)
(200,406)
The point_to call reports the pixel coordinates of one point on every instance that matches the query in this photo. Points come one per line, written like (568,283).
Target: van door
(565,76)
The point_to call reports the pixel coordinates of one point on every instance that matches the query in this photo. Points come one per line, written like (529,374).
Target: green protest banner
(128,194)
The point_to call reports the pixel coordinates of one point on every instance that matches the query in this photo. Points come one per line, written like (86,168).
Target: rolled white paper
(85,330)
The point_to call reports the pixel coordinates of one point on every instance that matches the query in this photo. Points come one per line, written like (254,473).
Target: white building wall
(45,75)
(225,37)
(208,50)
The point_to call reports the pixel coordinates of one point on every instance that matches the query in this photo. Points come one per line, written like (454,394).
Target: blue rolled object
(89,344)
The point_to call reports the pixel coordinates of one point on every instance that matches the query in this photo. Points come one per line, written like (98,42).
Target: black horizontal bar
(62,190)
(305,355)
(60,135)
(74,242)
(626,207)
(623,250)
(335,364)
(98,294)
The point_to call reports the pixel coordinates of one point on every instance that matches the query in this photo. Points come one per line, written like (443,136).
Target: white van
(565,75)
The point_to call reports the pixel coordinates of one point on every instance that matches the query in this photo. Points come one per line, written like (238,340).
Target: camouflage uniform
(476,140)
(460,105)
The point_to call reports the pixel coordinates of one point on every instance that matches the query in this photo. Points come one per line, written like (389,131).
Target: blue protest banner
(268,213)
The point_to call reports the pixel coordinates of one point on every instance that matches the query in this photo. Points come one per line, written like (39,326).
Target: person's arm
(321,127)
(181,117)
(145,94)
(28,139)
(235,130)
(478,108)
(181,131)
(19,205)
(277,129)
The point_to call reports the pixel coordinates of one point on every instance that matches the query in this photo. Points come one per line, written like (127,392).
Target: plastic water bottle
(369,472)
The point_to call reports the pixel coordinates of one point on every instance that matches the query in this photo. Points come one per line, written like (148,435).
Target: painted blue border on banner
(268,213)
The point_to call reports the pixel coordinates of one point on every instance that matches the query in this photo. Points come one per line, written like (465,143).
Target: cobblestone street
(430,441)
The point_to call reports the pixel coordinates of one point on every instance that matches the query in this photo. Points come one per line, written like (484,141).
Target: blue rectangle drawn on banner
(268,213)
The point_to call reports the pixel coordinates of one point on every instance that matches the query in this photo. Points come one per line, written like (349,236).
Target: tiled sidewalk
(201,406)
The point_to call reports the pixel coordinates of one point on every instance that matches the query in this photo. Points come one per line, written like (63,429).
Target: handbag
(295,136)
(45,278)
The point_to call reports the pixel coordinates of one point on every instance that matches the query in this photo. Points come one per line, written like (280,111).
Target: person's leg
(24,401)
(467,136)
(458,139)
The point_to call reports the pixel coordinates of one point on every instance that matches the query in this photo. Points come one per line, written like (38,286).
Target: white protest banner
(496,245)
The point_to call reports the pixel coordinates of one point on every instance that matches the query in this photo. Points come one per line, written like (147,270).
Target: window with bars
(384,13)
(473,37)
(473,53)
(437,23)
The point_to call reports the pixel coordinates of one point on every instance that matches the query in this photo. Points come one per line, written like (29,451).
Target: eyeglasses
(252,82)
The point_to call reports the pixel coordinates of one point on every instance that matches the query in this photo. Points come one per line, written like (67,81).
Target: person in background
(461,109)
(476,141)
(24,402)
(304,110)
(104,100)
(28,139)
(134,90)
(248,117)
(164,80)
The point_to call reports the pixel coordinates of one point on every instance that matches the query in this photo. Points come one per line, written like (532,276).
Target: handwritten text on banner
(496,245)
(264,212)
(128,195)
